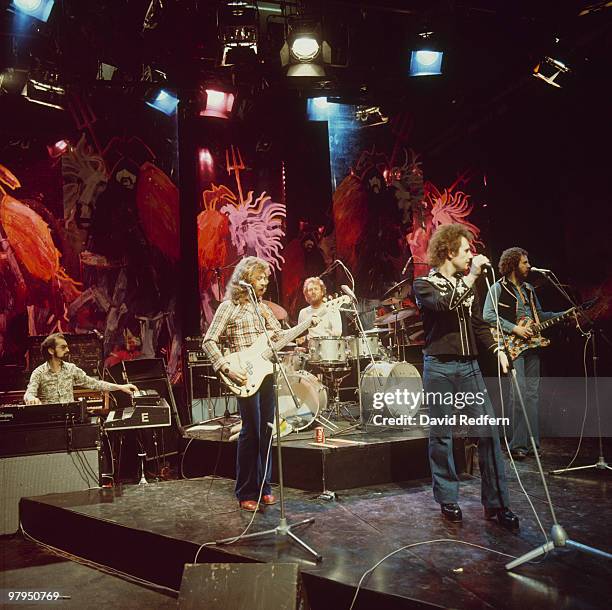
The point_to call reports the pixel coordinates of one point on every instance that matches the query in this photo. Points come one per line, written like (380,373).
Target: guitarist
(514,299)
(237,322)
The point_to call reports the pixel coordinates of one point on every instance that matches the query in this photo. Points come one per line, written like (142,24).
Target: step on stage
(151,531)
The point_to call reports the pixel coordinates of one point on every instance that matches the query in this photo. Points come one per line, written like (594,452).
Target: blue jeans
(255,411)
(527,367)
(452,376)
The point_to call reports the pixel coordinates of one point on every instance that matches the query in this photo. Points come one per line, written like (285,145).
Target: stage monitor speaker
(35,475)
(248,586)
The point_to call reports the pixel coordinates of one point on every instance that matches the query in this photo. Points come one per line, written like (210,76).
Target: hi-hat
(279,312)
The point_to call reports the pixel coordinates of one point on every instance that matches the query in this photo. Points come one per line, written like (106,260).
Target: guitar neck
(292,333)
(548,323)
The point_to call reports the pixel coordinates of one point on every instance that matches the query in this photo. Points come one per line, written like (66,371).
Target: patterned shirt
(239,326)
(49,386)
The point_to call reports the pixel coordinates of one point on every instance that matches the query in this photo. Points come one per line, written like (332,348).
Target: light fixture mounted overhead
(37,9)
(238,32)
(305,53)
(426,57)
(549,70)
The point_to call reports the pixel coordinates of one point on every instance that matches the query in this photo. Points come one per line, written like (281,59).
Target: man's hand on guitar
(238,377)
(524,332)
(503,360)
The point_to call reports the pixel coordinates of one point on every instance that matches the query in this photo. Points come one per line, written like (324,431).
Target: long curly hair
(246,271)
(510,259)
(446,240)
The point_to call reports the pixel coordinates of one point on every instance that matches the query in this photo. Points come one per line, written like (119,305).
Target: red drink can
(319,434)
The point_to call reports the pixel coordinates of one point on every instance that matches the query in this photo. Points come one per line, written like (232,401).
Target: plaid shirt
(50,387)
(239,326)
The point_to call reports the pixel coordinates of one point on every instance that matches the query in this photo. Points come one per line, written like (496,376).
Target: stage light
(58,149)
(549,70)
(38,9)
(238,32)
(45,89)
(320,102)
(426,58)
(164,101)
(369,116)
(305,48)
(305,52)
(217,104)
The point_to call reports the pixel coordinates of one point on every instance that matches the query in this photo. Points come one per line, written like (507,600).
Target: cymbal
(400,290)
(396,316)
(279,312)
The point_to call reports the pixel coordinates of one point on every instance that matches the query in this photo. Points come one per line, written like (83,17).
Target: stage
(151,531)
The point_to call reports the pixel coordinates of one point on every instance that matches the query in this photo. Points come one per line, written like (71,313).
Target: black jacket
(452,319)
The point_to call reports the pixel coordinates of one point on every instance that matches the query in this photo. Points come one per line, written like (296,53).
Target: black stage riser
(161,559)
(344,467)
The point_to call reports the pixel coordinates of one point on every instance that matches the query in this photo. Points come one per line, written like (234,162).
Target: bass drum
(393,387)
(311,396)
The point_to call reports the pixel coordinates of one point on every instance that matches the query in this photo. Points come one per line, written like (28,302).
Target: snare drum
(311,397)
(362,347)
(327,351)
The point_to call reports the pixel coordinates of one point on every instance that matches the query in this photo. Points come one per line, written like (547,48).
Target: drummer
(329,325)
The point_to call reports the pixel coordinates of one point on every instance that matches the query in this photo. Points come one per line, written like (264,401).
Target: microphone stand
(558,535)
(601,463)
(283,528)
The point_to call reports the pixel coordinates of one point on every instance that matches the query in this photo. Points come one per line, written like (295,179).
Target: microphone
(348,291)
(245,284)
(538,270)
(332,266)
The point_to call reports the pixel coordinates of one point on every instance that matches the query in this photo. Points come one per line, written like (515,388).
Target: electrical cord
(97,566)
(415,544)
(500,333)
(246,529)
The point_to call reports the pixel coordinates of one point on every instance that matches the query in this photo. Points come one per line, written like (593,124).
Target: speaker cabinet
(35,475)
(248,586)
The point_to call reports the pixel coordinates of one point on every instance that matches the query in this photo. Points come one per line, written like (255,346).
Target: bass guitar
(255,361)
(517,345)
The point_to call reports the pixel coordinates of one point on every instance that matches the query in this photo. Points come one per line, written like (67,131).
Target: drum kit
(316,373)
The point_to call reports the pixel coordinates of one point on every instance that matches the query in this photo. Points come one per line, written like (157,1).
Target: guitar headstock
(335,301)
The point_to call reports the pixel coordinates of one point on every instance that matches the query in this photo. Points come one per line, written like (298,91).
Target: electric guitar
(255,361)
(517,345)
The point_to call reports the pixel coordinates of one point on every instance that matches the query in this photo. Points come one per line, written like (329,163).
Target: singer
(236,320)
(519,308)
(452,323)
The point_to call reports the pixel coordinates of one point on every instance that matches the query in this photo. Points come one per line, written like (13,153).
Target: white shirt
(330,322)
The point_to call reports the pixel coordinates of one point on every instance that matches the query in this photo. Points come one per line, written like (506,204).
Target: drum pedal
(328,496)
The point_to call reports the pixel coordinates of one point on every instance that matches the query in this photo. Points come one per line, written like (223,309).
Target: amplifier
(196,357)
(86,351)
(193,344)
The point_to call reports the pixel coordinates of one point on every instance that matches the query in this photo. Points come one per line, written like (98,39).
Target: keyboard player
(54,380)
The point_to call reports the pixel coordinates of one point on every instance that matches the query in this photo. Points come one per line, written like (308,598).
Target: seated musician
(54,380)
(329,325)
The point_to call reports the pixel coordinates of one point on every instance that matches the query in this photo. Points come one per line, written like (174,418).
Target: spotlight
(44,89)
(238,32)
(426,59)
(217,103)
(549,70)
(305,52)
(58,149)
(164,101)
(38,9)
(370,116)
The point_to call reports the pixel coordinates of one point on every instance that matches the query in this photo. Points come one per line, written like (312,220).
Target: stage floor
(151,531)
